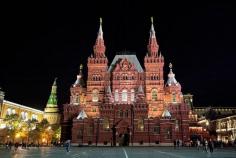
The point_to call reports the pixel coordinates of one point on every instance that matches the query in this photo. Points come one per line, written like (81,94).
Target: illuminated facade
(226,129)
(51,112)
(124,103)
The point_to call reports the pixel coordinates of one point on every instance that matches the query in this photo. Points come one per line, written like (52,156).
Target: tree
(13,124)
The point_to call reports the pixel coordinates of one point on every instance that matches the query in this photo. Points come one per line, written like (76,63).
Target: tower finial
(55,81)
(81,67)
(152,19)
(100,20)
(153,47)
(99,47)
(170,66)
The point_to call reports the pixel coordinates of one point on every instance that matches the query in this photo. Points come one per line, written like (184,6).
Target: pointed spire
(108,90)
(100,32)
(82,115)
(171,77)
(99,47)
(52,101)
(166,113)
(140,89)
(79,81)
(153,47)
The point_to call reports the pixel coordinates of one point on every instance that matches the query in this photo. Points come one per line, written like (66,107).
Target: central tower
(97,74)
(154,63)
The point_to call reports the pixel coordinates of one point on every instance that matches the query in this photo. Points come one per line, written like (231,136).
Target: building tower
(51,112)
(154,82)
(97,75)
(78,90)
(173,92)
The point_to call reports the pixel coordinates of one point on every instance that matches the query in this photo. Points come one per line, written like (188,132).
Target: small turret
(171,78)
(79,81)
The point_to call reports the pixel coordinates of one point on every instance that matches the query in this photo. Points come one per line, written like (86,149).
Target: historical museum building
(124,103)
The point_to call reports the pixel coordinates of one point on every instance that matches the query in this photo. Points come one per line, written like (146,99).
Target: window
(95,95)
(132,95)
(24,115)
(174,97)
(157,129)
(168,133)
(140,124)
(106,125)
(116,95)
(177,125)
(154,94)
(121,114)
(9,111)
(124,95)
(34,117)
(13,111)
(127,114)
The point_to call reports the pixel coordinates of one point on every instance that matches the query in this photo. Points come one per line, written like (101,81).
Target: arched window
(127,114)
(95,95)
(24,115)
(117,76)
(154,94)
(132,95)
(174,97)
(124,95)
(13,111)
(9,111)
(106,125)
(121,114)
(140,124)
(156,128)
(116,95)
(34,117)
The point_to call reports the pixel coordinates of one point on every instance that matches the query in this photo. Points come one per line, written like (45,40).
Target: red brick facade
(125,103)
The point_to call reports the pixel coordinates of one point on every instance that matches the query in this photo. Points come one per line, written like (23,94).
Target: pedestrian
(175,144)
(206,146)
(67,144)
(211,146)
(16,146)
(178,143)
(198,144)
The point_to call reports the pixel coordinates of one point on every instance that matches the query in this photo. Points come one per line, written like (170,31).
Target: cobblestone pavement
(116,152)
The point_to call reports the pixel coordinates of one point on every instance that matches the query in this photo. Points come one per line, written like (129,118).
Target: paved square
(118,152)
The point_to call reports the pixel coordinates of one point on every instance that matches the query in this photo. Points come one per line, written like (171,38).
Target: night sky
(42,41)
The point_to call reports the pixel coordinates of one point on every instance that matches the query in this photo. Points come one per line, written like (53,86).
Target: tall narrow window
(132,95)
(156,128)
(9,112)
(154,94)
(95,95)
(140,124)
(124,95)
(106,125)
(116,95)
(174,97)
